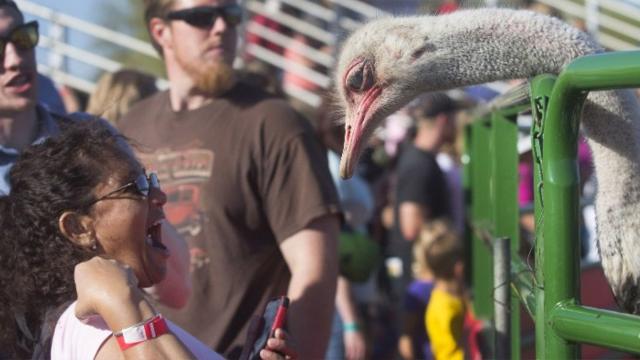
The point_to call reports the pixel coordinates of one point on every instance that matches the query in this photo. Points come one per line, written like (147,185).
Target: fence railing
(334,20)
(614,23)
(324,22)
(549,291)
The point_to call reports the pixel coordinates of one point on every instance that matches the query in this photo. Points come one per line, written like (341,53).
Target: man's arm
(175,289)
(312,257)
(411,217)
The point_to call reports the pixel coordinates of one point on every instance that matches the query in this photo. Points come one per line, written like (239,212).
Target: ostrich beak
(358,128)
(351,150)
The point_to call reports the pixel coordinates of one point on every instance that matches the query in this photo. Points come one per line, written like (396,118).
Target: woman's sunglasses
(142,184)
(23,37)
(206,16)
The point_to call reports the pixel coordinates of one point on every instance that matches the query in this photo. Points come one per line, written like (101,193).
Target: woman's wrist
(138,333)
(124,311)
(350,327)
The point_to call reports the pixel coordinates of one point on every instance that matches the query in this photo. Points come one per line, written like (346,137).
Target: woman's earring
(94,245)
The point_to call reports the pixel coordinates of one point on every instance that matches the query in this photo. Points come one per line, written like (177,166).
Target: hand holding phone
(264,327)
(281,316)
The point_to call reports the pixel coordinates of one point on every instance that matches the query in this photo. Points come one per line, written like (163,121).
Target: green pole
(541,87)
(504,190)
(560,177)
(561,200)
(481,215)
(596,326)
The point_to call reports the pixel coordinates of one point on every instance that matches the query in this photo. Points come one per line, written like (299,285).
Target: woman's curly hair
(36,260)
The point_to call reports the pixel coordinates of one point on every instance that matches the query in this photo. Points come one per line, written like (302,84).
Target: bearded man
(247,184)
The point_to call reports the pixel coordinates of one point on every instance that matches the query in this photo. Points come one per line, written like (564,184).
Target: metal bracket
(537,132)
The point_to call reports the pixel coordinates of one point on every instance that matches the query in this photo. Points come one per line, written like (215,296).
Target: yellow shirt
(444,319)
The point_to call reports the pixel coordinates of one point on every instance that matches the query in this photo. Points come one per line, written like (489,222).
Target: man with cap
(421,190)
(421,193)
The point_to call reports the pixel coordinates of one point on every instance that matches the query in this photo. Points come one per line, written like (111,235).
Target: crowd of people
(161,223)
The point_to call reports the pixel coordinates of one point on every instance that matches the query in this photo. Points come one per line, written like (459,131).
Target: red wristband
(138,333)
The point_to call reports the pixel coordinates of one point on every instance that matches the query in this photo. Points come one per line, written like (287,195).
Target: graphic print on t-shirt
(182,175)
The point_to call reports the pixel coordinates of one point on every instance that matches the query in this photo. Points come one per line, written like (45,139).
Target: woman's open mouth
(154,237)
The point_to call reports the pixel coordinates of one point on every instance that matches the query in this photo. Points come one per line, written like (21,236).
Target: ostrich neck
(482,46)
(487,46)
(479,46)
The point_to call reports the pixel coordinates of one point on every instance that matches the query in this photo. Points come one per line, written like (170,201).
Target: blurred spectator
(263,76)
(448,162)
(448,6)
(414,342)
(358,254)
(395,130)
(73,100)
(446,310)
(254,38)
(398,7)
(421,192)
(544,9)
(116,93)
(293,81)
(49,96)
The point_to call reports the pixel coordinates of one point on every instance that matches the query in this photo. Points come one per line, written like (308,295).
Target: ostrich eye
(360,78)
(355,79)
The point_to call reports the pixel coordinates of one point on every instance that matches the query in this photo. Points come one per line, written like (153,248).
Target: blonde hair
(429,243)
(116,93)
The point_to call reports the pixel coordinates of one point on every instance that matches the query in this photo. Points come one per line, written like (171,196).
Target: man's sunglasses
(142,185)
(206,16)
(23,37)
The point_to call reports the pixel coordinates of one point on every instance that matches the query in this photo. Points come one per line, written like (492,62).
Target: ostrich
(388,62)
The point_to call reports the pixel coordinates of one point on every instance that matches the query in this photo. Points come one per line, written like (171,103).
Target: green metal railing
(491,177)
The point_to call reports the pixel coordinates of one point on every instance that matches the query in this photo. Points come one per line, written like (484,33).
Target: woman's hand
(103,284)
(110,289)
(355,345)
(278,348)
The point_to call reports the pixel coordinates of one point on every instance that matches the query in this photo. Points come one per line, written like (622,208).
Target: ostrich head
(388,62)
(375,81)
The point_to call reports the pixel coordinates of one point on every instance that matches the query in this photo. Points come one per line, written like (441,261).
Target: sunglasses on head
(142,184)
(206,16)
(23,37)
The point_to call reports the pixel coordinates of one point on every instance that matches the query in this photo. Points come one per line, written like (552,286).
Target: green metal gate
(491,177)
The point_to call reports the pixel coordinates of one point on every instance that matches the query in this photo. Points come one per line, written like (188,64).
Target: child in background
(414,342)
(445,315)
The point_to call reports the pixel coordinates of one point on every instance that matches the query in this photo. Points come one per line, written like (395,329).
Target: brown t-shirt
(241,174)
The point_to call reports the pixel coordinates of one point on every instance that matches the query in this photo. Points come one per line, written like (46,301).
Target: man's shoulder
(160,97)
(412,157)
(275,113)
(140,111)
(252,97)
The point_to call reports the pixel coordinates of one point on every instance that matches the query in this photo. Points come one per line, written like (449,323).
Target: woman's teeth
(148,240)
(154,241)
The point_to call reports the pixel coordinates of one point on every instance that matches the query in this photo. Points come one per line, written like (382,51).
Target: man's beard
(210,78)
